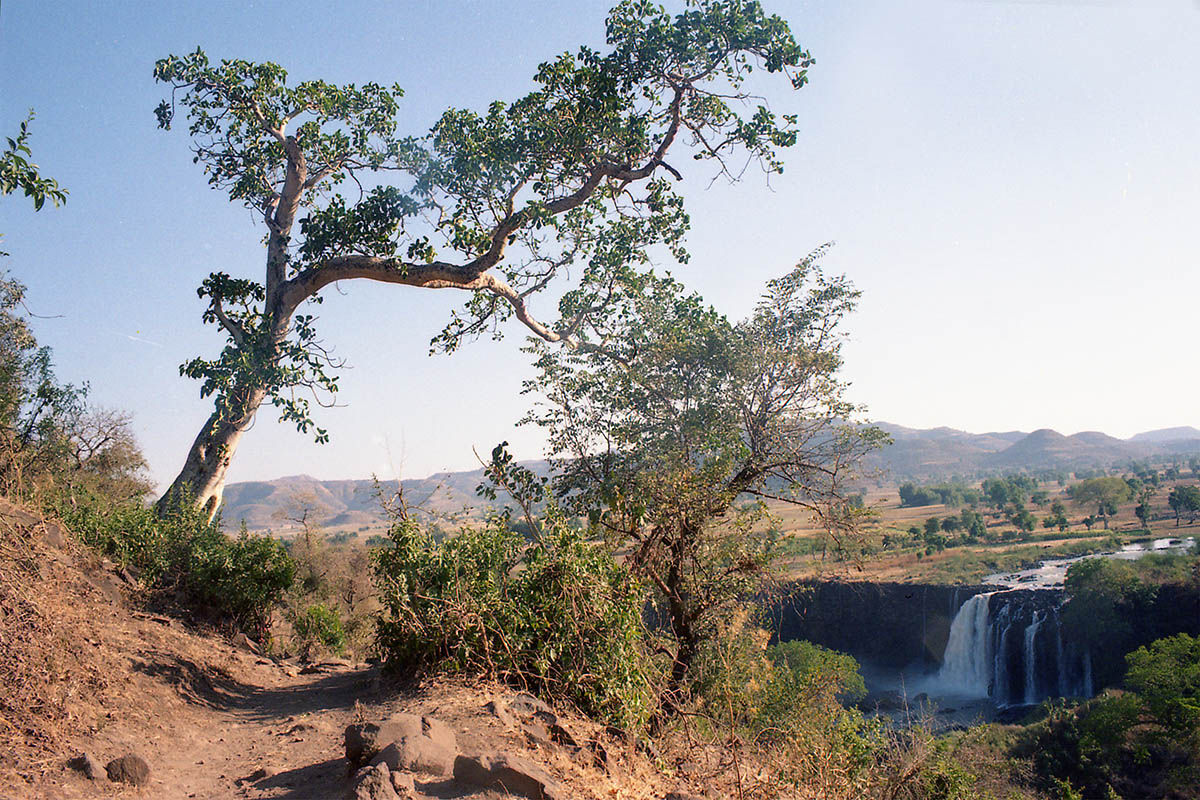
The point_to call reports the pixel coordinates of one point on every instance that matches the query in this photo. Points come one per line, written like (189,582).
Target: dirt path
(291,728)
(267,733)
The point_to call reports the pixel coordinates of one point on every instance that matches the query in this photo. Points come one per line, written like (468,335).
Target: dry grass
(968,563)
(54,682)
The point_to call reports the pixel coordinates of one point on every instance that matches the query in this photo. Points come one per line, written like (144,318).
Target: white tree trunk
(202,479)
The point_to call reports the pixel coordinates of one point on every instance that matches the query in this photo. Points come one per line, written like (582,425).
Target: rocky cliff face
(889,624)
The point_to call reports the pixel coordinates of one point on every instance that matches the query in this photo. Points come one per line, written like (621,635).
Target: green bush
(808,663)
(185,555)
(1111,607)
(559,616)
(1167,675)
(319,626)
(785,706)
(1136,744)
(242,579)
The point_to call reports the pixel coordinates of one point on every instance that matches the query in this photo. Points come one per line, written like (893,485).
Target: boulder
(89,766)
(501,713)
(439,732)
(527,705)
(364,740)
(403,783)
(404,742)
(511,774)
(416,754)
(537,733)
(129,768)
(372,783)
(681,796)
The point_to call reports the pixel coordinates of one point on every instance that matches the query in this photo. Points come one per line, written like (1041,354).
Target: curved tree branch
(236,331)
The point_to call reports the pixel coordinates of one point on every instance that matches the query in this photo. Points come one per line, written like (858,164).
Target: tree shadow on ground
(215,688)
(324,779)
(336,691)
(212,687)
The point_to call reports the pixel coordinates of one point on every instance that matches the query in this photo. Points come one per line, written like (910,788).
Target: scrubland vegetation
(629,584)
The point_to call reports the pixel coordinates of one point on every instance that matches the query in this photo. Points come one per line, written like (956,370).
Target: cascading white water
(1000,646)
(1031,692)
(967,663)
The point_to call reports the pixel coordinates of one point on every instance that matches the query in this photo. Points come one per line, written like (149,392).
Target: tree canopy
(497,204)
(1105,494)
(669,428)
(1184,500)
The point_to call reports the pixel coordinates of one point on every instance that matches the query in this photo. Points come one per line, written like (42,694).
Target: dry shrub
(334,577)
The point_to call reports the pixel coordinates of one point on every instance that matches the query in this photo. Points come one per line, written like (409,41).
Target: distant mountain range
(281,504)
(915,454)
(941,452)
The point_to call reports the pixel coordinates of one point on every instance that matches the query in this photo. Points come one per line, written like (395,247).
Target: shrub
(319,626)
(810,663)
(1112,607)
(559,616)
(778,714)
(242,579)
(1143,743)
(1167,675)
(336,577)
(184,554)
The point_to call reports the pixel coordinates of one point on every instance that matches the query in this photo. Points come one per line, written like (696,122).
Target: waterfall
(967,663)
(1008,645)
(1031,672)
(1000,668)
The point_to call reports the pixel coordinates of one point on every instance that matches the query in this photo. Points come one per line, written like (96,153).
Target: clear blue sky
(1015,186)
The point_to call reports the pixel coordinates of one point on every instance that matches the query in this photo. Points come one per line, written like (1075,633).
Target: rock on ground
(89,766)
(404,742)
(129,768)
(514,775)
(372,783)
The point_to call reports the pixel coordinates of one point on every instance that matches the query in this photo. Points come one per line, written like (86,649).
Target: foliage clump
(1113,606)
(1143,742)
(185,556)
(574,177)
(559,616)
(317,628)
(672,432)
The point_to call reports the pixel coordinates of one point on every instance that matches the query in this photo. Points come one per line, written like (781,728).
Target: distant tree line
(950,494)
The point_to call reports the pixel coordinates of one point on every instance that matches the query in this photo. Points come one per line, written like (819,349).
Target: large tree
(1104,494)
(677,425)
(497,204)
(1184,500)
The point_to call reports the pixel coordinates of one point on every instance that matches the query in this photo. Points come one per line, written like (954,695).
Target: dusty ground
(213,744)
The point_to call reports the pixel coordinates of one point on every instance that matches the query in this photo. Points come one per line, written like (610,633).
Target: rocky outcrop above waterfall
(888,624)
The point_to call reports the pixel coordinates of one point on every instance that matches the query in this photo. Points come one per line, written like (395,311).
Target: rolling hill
(915,454)
(280,504)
